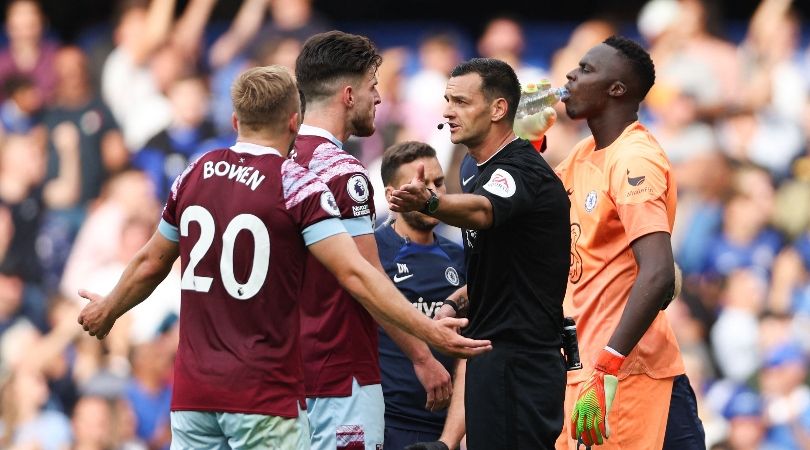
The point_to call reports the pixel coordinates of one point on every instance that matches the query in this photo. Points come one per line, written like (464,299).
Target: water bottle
(535,98)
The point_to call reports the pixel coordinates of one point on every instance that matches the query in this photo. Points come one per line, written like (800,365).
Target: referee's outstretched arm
(470,211)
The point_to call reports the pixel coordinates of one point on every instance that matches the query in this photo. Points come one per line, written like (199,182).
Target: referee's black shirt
(518,268)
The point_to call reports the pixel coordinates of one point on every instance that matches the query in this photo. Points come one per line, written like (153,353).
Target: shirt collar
(254,149)
(496,152)
(309,130)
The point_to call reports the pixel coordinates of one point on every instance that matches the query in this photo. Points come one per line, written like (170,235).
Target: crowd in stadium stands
(92,135)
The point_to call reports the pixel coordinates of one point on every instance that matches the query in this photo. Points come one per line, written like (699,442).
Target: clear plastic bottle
(535,98)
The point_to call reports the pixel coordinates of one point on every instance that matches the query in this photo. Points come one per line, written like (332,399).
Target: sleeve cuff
(358,226)
(322,230)
(169,231)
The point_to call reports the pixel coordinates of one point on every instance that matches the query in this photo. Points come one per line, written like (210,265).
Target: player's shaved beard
(419,221)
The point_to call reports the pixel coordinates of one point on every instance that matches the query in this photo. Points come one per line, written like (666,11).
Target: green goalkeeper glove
(589,420)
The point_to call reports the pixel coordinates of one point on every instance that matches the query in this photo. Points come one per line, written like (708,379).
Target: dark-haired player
(337,74)
(623,200)
(517,261)
(426,268)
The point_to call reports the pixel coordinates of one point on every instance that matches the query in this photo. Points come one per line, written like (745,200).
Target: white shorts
(203,430)
(338,423)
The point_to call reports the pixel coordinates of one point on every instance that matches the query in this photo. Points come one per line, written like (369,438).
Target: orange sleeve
(639,186)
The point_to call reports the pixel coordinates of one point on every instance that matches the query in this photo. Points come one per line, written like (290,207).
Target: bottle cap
(529,88)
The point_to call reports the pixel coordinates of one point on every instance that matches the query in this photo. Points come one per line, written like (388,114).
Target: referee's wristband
(451,304)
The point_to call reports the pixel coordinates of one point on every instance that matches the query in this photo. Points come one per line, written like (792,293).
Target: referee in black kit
(517,231)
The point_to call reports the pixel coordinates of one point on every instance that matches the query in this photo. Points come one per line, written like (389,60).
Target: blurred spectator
(20,112)
(101,152)
(790,289)
(250,40)
(169,152)
(763,139)
(746,240)
(92,422)
(28,52)
(678,129)
(771,68)
(787,397)
(96,424)
(746,427)
(704,183)
(132,77)
(289,18)
(149,392)
(22,168)
(503,39)
(126,195)
(424,101)
(11,302)
(101,143)
(282,50)
(24,424)
(690,57)
(735,335)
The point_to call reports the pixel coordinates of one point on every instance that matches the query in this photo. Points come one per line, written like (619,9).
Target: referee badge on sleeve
(501,184)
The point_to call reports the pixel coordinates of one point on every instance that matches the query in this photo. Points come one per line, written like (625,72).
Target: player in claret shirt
(337,75)
(241,219)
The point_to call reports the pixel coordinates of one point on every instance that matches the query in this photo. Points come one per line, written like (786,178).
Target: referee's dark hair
(643,67)
(332,56)
(402,153)
(498,80)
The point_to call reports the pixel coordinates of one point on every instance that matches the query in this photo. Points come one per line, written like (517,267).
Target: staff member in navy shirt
(426,268)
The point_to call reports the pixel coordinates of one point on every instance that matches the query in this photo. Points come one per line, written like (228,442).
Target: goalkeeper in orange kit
(623,199)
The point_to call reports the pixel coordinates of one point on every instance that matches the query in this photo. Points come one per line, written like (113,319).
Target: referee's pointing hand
(412,196)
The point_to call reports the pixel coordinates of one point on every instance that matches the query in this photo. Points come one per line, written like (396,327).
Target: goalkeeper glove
(437,445)
(534,127)
(589,420)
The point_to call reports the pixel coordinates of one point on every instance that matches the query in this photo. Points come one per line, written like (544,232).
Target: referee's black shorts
(514,398)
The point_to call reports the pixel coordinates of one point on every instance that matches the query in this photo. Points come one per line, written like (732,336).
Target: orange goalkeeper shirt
(618,194)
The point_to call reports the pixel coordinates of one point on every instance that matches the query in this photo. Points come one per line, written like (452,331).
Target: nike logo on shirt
(398,278)
(464,182)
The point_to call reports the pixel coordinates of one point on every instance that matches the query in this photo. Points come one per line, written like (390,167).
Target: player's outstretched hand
(412,196)
(437,383)
(437,445)
(95,317)
(447,340)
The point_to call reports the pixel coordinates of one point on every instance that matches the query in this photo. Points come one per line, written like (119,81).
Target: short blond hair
(264,97)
